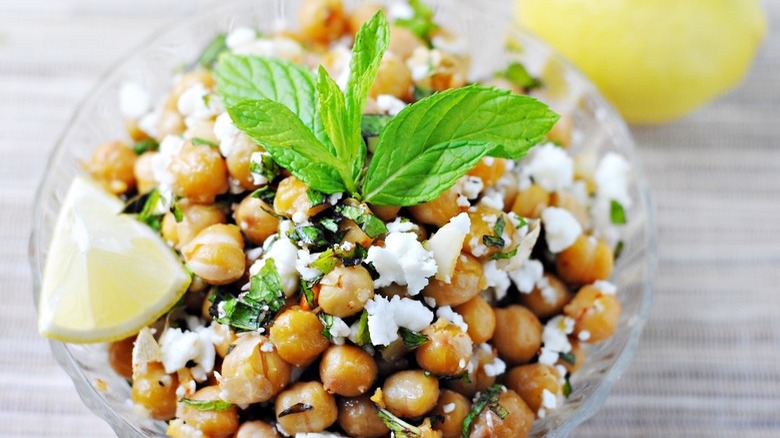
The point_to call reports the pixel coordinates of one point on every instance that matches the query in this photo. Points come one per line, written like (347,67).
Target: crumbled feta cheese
(446,245)
(453,317)
(197,103)
(478,249)
(239,37)
(471,186)
(448,408)
(169,148)
(334,198)
(526,277)
(495,368)
(492,198)
(134,100)
(285,256)
(549,294)
(548,356)
(549,400)
(496,278)
(267,347)
(148,122)
(561,228)
(612,179)
(423,62)
(399,225)
(430,301)
(302,265)
(605,287)
(400,11)
(386,316)
(390,104)
(339,330)
(403,261)
(277,47)
(551,167)
(258,179)
(583,335)
(179,347)
(555,338)
(462,201)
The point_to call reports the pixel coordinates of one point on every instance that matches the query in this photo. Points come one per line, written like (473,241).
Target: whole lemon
(655,60)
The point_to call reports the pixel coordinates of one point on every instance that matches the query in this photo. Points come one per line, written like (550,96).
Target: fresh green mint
(487,399)
(518,75)
(213,49)
(207,405)
(145,146)
(256,308)
(421,23)
(617,213)
(411,338)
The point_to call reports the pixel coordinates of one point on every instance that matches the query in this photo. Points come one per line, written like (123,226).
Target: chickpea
(530,202)
(518,334)
(403,42)
(323,413)
(291,197)
(489,170)
(203,129)
(549,300)
(111,165)
(155,390)
(467,281)
(345,290)
(185,82)
(251,374)
(225,338)
(361,13)
(594,313)
(570,203)
(142,170)
(478,379)
(579,357)
(216,254)
(195,218)
(253,217)
(585,262)
(257,429)
(120,357)
(387,213)
(358,417)
(170,123)
(453,409)
(393,78)
(322,21)
(561,131)
(410,393)
(239,162)
(447,351)
(438,211)
(347,370)
(530,382)
(451,72)
(217,424)
(199,173)
(354,234)
(480,318)
(296,333)
(516,425)
(134,131)
(483,223)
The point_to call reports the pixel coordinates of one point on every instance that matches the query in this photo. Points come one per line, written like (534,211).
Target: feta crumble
(179,347)
(471,186)
(561,228)
(526,277)
(446,245)
(496,278)
(385,317)
(448,408)
(134,100)
(551,167)
(453,317)
(605,287)
(495,368)
(403,261)
(390,104)
(285,256)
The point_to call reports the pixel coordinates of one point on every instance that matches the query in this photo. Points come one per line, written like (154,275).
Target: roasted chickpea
(199,173)
(447,351)
(410,393)
(584,262)
(547,300)
(385,212)
(467,281)
(358,417)
(569,202)
(478,380)
(251,372)
(354,234)
(489,170)
(322,21)
(296,333)
(483,223)
(518,334)
(134,131)
(216,254)
(344,291)
(347,370)
(439,211)
(255,220)
(322,414)
(516,425)
(239,162)
(530,202)
(403,42)
(453,409)
(393,78)
(530,382)
(120,357)
(112,166)
(257,429)
(480,318)
(155,390)
(195,218)
(217,424)
(225,337)
(595,314)
(291,197)
(144,176)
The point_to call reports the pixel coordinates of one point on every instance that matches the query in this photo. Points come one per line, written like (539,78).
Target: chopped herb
(518,75)
(256,308)
(496,241)
(316,197)
(618,249)
(266,194)
(308,293)
(566,387)
(329,224)
(198,141)
(398,427)
(421,23)
(411,338)
(326,261)
(295,409)
(207,405)
(363,336)
(266,167)
(145,146)
(147,214)
(371,125)
(371,270)
(308,235)
(505,255)
(178,213)
(327,321)
(568,357)
(488,398)
(521,222)
(617,213)
(215,47)
(370,224)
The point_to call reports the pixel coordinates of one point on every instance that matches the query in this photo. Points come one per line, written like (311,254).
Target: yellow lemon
(655,60)
(106,274)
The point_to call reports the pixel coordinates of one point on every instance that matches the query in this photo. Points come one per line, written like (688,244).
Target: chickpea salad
(378,244)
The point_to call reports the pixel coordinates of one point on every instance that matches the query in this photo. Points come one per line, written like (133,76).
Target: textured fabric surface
(708,360)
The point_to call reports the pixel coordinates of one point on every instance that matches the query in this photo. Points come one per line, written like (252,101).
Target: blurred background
(708,360)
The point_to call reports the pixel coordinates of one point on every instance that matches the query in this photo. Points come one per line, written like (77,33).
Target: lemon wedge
(106,275)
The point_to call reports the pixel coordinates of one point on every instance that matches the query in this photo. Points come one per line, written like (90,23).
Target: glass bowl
(487,31)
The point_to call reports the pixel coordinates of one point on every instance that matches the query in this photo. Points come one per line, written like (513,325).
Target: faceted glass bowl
(486,28)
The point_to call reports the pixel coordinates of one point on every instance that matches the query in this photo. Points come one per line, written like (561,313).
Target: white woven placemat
(709,361)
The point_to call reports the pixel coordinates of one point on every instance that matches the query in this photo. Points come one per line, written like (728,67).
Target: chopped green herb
(488,398)
(178,213)
(327,321)
(618,249)
(145,145)
(309,235)
(207,405)
(568,357)
(566,387)
(147,215)
(517,74)
(420,93)
(370,224)
(198,141)
(316,197)
(421,23)
(398,427)
(326,261)
(617,213)
(257,307)
(363,336)
(411,338)
(329,224)
(505,255)
(266,167)
(212,51)
(295,409)
(307,292)
(265,193)
(372,124)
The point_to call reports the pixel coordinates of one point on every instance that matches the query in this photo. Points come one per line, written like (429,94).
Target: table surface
(708,360)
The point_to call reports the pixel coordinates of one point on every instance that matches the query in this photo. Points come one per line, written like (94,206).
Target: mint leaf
(295,409)
(257,307)
(411,338)
(617,213)
(213,49)
(370,224)
(445,135)
(332,107)
(487,398)
(207,405)
(327,322)
(198,141)
(371,125)
(145,145)
(363,335)
(518,75)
